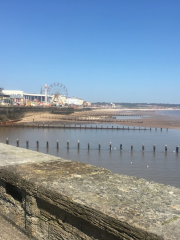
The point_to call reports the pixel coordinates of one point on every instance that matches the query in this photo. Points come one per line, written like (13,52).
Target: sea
(160,166)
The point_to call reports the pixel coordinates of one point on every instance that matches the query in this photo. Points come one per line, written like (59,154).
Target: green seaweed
(170,220)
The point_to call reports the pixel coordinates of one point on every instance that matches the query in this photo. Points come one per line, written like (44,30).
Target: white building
(20,96)
(14,93)
(74,101)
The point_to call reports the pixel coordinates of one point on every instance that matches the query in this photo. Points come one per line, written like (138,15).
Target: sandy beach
(147,118)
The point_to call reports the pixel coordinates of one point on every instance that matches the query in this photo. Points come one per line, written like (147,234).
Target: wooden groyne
(69,126)
(88,146)
(93,117)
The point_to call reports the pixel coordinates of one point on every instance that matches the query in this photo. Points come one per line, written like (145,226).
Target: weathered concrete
(52,198)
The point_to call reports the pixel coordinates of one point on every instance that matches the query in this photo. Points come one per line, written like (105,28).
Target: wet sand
(151,118)
(155,120)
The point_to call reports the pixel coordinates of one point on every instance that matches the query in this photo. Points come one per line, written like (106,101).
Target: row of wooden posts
(78,126)
(82,127)
(78,145)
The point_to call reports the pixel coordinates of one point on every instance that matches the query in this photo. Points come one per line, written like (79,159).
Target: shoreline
(152,119)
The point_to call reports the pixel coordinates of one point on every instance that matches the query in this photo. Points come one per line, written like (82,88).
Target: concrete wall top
(130,207)
(10,155)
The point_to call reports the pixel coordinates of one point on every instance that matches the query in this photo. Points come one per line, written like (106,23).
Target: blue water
(174,113)
(130,117)
(159,166)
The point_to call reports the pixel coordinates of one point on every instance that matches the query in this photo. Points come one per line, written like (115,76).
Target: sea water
(158,166)
(174,113)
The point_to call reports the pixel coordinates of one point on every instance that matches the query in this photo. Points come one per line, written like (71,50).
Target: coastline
(152,118)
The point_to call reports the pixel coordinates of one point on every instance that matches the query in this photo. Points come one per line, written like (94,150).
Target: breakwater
(98,146)
(70,126)
(52,198)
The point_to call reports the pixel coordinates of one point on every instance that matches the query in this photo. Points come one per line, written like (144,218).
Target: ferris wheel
(58,90)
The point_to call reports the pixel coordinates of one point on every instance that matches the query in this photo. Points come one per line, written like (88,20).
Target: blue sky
(101,50)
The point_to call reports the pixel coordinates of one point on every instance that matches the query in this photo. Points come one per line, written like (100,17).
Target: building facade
(22,98)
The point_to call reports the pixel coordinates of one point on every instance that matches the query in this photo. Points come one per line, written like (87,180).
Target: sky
(100,50)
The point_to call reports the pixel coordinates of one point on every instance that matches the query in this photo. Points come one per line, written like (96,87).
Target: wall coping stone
(124,205)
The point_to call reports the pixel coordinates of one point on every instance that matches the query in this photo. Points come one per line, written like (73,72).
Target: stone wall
(53,198)
(17,112)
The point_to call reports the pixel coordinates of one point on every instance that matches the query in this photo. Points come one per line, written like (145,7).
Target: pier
(53,198)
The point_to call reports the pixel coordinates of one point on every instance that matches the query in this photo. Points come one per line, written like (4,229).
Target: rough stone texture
(9,231)
(52,198)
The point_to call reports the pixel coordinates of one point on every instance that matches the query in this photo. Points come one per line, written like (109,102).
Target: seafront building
(21,98)
(74,101)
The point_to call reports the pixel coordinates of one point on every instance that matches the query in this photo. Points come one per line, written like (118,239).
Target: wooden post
(154,148)
(27,144)
(165,148)
(131,147)
(47,144)
(78,144)
(143,147)
(88,146)
(37,144)
(7,141)
(57,144)
(17,142)
(177,149)
(120,147)
(99,146)
(110,146)
(67,144)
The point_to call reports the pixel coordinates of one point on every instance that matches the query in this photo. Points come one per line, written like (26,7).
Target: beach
(147,118)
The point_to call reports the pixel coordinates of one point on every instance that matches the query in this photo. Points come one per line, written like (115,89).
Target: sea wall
(52,198)
(17,112)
